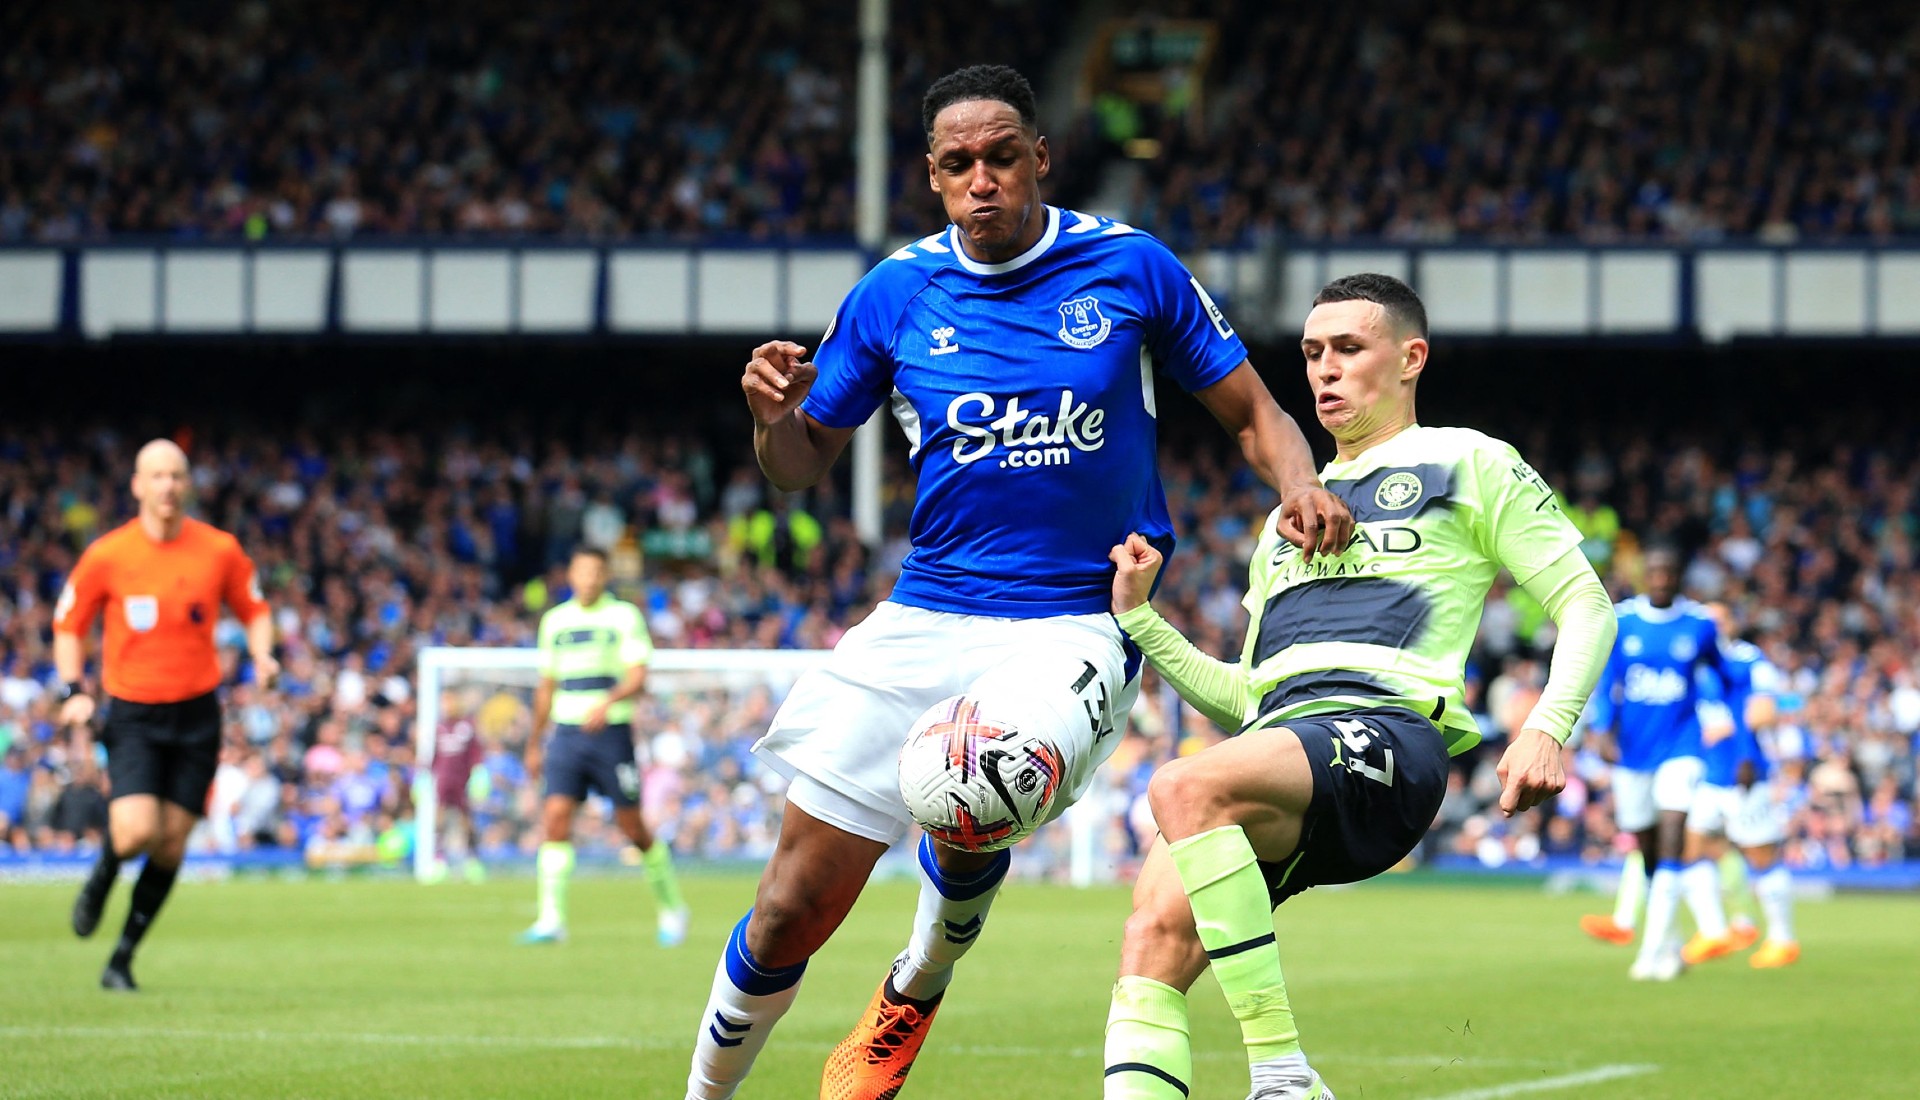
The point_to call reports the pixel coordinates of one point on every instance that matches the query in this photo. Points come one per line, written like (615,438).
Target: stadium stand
(384,543)
(238,120)
(1505,121)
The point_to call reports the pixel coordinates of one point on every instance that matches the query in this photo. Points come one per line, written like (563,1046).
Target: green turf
(383,988)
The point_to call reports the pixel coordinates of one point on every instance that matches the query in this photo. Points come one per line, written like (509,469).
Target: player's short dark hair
(995,82)
(1403,306)
(586,551)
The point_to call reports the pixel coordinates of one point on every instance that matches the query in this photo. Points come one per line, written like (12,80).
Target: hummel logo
(940,338)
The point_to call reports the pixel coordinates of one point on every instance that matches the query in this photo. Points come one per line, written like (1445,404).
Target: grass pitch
(1403,989)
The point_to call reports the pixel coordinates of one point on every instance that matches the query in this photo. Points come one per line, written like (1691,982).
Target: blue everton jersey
(1028,405)
(1748,674)
(1648,695)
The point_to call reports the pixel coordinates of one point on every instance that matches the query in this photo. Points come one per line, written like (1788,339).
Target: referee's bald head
(159,452)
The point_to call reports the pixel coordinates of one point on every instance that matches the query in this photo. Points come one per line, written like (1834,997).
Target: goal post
(669,671)
(681,679)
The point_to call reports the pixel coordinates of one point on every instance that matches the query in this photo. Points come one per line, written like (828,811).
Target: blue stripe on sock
(962,889)
(1668,865)
(746,973)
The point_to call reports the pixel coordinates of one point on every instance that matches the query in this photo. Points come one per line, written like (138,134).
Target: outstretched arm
(794,449)
(1310,517)
(1217,689)
(1530,770)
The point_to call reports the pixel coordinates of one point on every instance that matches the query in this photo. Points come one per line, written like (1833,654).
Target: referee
(160,579)
(594,651)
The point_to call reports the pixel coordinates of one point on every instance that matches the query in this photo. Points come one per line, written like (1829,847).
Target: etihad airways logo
(1021,437)
(1383,544)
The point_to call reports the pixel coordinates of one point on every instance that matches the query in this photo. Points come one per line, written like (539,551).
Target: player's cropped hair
(1403,306)
(584,551)
(995,82)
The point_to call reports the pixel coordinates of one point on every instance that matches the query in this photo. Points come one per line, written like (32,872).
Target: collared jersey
(1027,404)
(162,601)
(1749,673)
(1649,693)
(586,651)
(1437,513)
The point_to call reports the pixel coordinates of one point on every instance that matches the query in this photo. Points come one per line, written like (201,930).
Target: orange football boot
(1701,949)
(872,1062)
(1603,928)
(1774,954)
(1744,935)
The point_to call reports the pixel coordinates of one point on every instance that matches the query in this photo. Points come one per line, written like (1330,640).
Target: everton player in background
(1009,348)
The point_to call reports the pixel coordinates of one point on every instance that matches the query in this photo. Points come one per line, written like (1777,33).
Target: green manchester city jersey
(1437,512)
(586,651)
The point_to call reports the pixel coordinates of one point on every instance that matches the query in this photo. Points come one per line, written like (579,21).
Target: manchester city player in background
(1349,692)
(1009,348)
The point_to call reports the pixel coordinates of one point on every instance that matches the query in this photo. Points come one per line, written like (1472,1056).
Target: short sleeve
(242,592)
(636,644)
(82,596)
(1191,340)
(1522,526)
(855,358)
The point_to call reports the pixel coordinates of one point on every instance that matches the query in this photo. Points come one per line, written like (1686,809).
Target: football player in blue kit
(1648,699)
(1013,350)
(1737,805)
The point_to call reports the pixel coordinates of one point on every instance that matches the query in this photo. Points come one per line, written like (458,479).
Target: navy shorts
(1378,777)
(578,762)
(169,750)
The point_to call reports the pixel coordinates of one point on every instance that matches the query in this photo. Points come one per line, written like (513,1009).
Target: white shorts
(838,735)
(1749,818)
(1639,797)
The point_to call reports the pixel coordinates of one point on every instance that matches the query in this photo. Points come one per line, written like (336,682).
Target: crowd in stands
(239,119)
(373,545)
(1504,120)
(1470,119)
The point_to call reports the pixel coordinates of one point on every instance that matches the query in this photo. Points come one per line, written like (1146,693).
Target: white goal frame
(434,662)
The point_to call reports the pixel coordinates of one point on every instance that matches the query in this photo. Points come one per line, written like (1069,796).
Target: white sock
(1633,891)
(1277,1073)
(747,1000)
(946,924)
(1775,891)
(1701,882)
(1663,896)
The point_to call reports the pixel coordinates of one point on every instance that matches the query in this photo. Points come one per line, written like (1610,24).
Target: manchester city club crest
(1082,325)
(1398,491)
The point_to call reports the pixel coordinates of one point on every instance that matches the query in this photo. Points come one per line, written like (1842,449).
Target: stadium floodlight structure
(682,681)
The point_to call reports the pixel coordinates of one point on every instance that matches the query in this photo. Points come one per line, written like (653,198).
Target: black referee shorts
(169,750)
(1379,774)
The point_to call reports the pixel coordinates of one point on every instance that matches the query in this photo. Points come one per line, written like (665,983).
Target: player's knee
(1160,938)
(131,840)
(788,926)
(1185,798)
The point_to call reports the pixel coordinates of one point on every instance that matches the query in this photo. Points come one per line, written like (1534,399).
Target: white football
(976,780)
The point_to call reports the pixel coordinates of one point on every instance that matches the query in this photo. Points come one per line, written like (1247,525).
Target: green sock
(1235,917)
(659,864)
(1735,887)
(1149,1055)
(553,867)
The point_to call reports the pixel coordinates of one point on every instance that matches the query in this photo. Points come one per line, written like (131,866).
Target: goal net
(701,788)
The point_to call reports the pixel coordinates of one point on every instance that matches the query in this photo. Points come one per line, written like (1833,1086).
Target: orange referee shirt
(162,601)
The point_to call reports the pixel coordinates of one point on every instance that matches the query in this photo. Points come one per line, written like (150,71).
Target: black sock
(105,870)
(149,893)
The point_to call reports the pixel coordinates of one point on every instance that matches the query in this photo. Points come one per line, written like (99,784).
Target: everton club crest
(1082,325)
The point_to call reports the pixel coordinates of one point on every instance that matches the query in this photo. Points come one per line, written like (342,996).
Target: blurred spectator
(1506,120)
(244,120)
